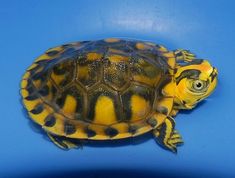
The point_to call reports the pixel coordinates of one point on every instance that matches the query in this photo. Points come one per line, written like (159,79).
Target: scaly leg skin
(65,143)
(167,136)
(184,55)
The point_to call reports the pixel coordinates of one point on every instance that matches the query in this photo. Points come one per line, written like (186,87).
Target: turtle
(114,88)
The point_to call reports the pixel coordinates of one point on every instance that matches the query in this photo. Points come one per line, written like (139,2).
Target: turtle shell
(105,89)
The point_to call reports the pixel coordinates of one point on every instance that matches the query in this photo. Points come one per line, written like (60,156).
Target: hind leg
(167,136)
(65,143)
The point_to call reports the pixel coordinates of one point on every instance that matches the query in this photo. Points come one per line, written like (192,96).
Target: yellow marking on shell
(24,83)
(151,44)
(26,75)
(46,57)
(105,111)
(69,105)
(24,93)
(99,130)
(142,126)
(169,89)
(58,128)
(165,102)
(117,58)
(162,48)
(146,80)
(169,54)
(32,66)
(43,57)
(160,118)
(111,40)
(116,51)
(140,107)
(83,72)
(122,130)
(57,78)
(58,48)
(30,105)
(141,46)
(80,129)
(94,56)
(40,118)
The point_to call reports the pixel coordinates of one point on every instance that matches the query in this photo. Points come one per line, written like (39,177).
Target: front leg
(167,136)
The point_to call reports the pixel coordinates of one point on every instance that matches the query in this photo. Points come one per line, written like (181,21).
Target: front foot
(167,137)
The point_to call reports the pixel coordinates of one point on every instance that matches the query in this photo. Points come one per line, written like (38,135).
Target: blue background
(207,28)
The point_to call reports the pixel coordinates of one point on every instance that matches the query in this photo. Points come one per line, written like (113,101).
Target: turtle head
(195,80)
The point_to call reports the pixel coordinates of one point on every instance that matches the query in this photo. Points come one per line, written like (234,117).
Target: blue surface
(207,28)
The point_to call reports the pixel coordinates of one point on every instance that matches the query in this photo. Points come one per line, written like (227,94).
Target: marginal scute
(69,128)
(152,122)
(111,132)
(38,109)
(50,121)
(90,133)
(133,129)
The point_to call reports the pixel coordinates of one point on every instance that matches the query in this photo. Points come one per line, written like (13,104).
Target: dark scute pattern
(132,129)
(152,122)
(38,109)
(69,128)
(32,97)
(52,53)
(90,132)
(142,91)
(50,121)
(111,132)
(44,91)
(162,110)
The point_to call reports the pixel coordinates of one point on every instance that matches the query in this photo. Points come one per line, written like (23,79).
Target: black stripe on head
(193,62)
(189,73)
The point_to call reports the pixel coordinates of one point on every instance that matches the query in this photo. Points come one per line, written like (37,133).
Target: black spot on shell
(69,128)
(44,91)
(152,122)
(90,133)
(162,110)
(52,53)
(38,109)
(49,121)
(111,132)
(132,129)
(31,97)
(30,89)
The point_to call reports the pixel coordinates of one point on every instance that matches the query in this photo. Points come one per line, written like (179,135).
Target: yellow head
(195,81)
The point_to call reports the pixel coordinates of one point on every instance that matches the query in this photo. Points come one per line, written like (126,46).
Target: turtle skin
(100,90)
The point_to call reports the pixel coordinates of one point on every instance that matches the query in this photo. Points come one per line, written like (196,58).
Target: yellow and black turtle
(114,89)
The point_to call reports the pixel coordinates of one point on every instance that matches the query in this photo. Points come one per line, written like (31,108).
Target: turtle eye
(198,85)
